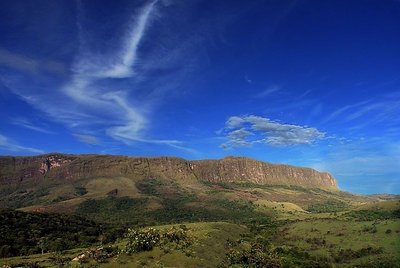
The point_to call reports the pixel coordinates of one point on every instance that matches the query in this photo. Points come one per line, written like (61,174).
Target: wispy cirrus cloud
(26,64)
(100,95)
(366,161)
(381,109)
(89,139)
(251,129)
(90,69)
(91,66)
(9,145)
(23,122)
(268,91)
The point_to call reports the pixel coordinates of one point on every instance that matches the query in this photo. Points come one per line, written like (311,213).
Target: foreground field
(215,225)
(313,242)
(207,249)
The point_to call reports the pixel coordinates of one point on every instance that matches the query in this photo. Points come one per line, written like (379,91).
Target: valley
(208,213)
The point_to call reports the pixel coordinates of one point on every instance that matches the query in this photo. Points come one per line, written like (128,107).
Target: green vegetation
(178,223)
(24,233)
(176,205)
(371,215)
(146,239)
(328,206)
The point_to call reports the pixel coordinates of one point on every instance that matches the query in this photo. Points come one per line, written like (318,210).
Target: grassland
(232,225)
(315,240)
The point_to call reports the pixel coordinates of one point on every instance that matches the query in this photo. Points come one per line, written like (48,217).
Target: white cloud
(29,65)
(248,130)
(118,65)
(11,146)
(88,102)
(234,122)
(90,69)
(87,138)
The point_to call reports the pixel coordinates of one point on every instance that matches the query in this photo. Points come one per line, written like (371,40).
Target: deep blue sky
(309,83)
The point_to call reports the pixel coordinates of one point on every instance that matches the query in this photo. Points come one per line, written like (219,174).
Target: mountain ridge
(15,169)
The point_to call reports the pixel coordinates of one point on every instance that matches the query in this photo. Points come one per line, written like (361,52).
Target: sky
(302,82)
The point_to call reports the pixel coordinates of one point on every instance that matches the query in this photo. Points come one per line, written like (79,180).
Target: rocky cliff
(230,169)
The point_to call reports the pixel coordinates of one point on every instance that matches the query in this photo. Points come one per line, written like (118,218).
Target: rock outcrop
(229,169)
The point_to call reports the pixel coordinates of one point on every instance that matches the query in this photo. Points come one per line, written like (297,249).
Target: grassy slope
(338,232)
(319,234)
(154,202)
(208,250)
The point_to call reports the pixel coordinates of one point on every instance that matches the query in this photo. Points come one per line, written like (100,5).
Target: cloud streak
(269,91)
(383,109)
(29,65)
(89,101)
(249,130)
(11,146)
(87,138)
(90,69)
(22,122)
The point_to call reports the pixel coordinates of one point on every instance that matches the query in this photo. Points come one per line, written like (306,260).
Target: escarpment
(242,169)
(229,169)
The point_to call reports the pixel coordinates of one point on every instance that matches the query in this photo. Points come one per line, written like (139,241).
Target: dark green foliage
(379,262)
(258,255)
(371,215)
(59,260)
(24,233)
(80,190)
(113,209)
(369,229)
(174,209)
(344,255)
(22,198)
(328,206)
(259,249)
(150,186)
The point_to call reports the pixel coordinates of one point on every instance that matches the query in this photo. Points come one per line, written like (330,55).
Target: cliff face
(241,169)
(230,169)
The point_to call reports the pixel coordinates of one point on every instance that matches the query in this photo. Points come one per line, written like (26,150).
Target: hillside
(164,189)
(242,212)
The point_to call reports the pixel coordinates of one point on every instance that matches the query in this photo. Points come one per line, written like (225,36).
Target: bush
(176,236)
(147,239)
(369,229)
(258,255)
(141,240)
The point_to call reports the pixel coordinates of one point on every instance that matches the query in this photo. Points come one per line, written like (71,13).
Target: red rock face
(229,169)
(241,169)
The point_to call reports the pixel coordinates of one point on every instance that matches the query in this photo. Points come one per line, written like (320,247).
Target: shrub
(141,240)
(147,239)
(369,229)
(258,255)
